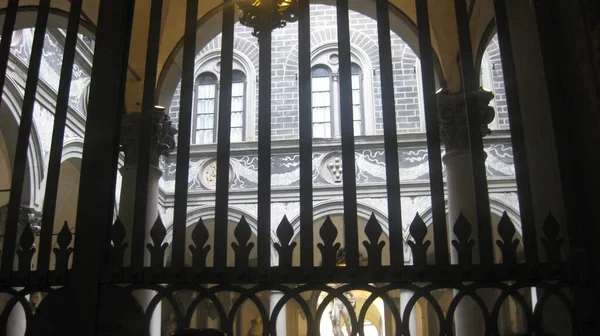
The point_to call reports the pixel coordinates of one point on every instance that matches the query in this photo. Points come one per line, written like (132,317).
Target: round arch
(72,149)
(12,101)
(234,214)
(336,207)
(211,23)
(58,18)
(244,63)
(486,38)
(497,208)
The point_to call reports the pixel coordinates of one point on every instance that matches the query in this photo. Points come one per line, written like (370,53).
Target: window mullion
(215,111)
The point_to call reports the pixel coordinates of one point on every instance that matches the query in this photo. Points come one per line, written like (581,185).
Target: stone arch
(234,214)
(241,46)
(489,34)
(245,56)
(13,101)
(335,207)
(497,207)
(57,17)
(72,149)
(211,23)
(207,213)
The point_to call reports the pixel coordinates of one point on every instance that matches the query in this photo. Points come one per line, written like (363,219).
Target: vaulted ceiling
(443,28)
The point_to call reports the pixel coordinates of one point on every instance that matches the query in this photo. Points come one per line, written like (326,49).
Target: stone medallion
(208,174)
(331,168)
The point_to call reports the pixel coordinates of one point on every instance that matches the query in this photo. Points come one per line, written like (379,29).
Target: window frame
(331,100)
(361,95)
(195,107)
(244,102)
(216,106)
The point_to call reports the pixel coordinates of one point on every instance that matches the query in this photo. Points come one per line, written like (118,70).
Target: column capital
(452,116)
(162,136)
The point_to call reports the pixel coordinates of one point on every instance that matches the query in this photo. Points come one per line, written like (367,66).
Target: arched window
(207,107)
(238,105)
(321,102)
(357,100)
(324,111)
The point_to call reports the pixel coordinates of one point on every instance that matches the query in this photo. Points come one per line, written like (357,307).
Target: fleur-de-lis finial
(373,245)
(242,248)
(200,250)
(285,247)
(464,244)
(328,233)
(157,249)
(419,246)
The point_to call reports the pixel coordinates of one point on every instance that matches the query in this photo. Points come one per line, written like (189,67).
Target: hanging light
(283,11)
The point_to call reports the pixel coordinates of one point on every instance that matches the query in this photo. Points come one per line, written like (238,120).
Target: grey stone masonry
(284,101)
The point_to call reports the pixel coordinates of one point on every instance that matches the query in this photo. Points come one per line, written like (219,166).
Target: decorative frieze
(208,174)
(162,136)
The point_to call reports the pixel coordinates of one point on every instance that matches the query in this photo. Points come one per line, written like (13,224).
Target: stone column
(17,323)
(281,323)
(162,143)
(461,190)
(335,118)
(405,296)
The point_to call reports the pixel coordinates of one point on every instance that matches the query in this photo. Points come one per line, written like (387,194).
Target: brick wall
(363,29)
(493,51)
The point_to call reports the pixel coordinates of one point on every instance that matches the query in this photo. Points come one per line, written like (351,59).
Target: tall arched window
(357,100)
(321,102)
(324,112)
(206,109)
(238,105)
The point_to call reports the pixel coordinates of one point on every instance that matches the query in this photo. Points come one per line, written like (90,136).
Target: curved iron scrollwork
(227,301)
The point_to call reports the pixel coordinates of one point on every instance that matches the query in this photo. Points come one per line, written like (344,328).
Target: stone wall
(364,43)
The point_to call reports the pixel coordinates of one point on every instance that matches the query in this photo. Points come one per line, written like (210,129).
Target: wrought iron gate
(118,277)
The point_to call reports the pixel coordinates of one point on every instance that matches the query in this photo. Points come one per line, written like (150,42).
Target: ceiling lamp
(283,11)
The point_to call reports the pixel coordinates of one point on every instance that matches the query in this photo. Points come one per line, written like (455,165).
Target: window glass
(238,90)
(357,108)
(321,102)
(205,108)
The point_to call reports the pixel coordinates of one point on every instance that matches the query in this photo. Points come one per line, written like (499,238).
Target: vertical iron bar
(100,159)
(305,125)
(517,133)
(183,145)
(436,175)
(264,136)
(347,132)
(471,86)
(224,137)
(60,119)
(138,237)
(388,102)
(7,33)
(20,161)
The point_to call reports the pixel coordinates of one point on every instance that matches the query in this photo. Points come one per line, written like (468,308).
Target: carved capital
(452,115)
(162,136)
